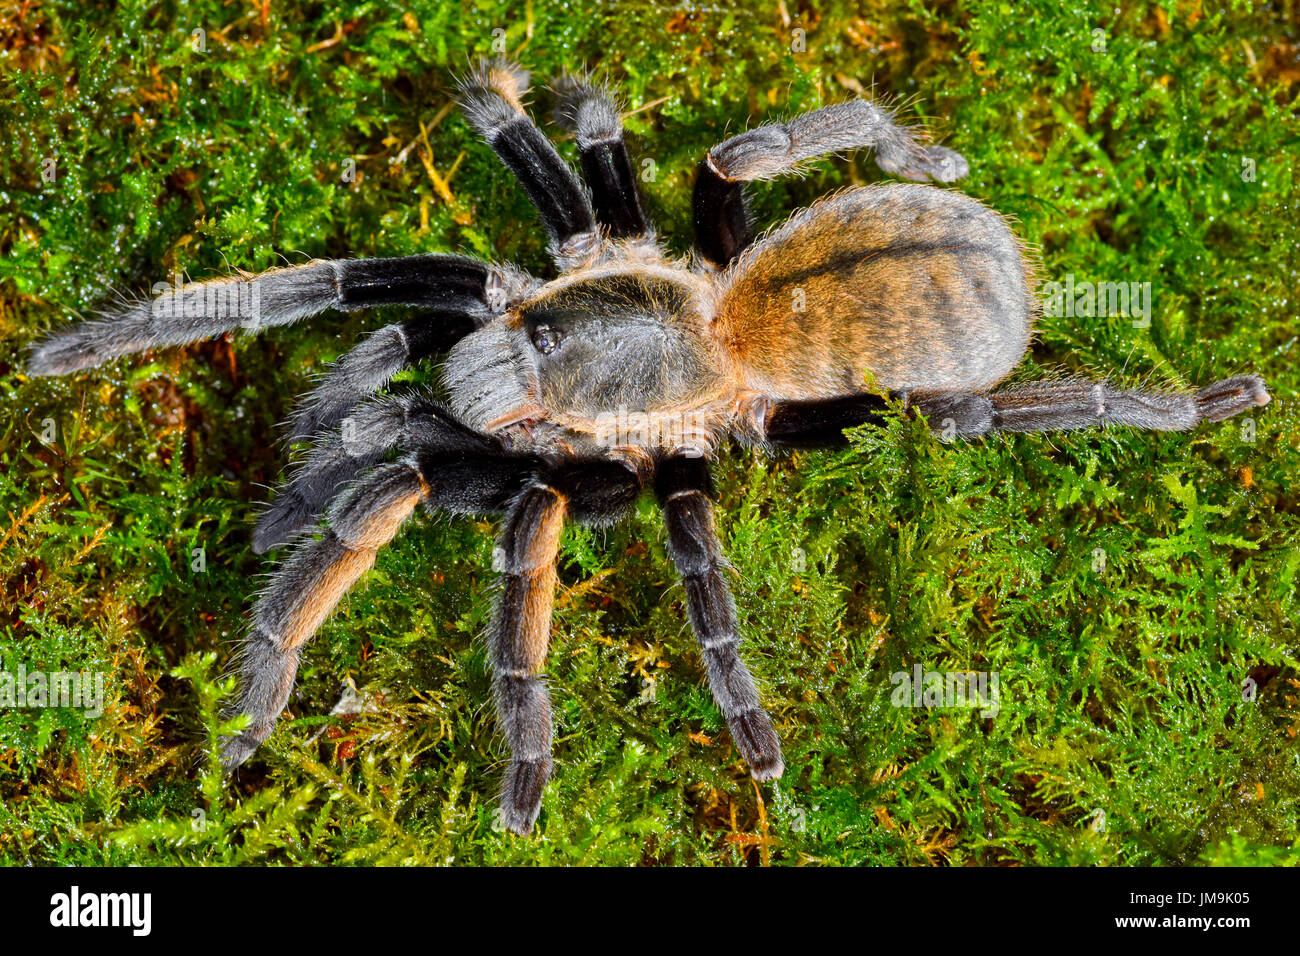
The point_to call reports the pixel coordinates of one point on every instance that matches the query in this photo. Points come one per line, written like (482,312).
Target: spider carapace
(567,397)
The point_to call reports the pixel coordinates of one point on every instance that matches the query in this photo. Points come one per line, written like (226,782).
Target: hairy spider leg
(304,588)
(490,97)
(466,294)
(820,423)
(590,113)
(1076,403)
(366,436)
(684,489)
(591,491)
(519,636)
(368,367)
(194,311)
(1034,407)
(722,220)
(459,471)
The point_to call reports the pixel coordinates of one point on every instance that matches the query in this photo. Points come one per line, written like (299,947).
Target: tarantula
(567,396)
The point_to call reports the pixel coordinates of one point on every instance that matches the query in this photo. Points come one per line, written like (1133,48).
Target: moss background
(1120,135)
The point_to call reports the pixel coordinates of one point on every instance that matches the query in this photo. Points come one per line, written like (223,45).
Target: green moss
(1121,584)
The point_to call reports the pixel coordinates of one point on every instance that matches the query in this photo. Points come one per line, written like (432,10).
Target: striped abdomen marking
(912,287)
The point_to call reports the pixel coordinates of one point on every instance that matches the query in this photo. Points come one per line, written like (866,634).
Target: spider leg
(1045,406)
(199,310)
(368,367)
(591,114)
(458,471)
(1058,406)
(778,149)
(593,492)
(820,423)
(683,487)
(304,589)
(490,97)
(369,432)
(520,633)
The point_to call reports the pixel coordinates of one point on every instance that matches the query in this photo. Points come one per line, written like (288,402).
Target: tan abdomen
(910,287)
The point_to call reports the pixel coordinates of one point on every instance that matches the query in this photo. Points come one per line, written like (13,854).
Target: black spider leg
(1036,407)
(821,423)
(722,226)
(519,636)
(366,436)
(684,489)
(302,591)
(722,221)
(590,113)
(195,311)
(491,99)
(462,472)
(366,368)
(457,303)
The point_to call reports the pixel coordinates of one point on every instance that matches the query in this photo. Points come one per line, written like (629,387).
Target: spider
(569,396)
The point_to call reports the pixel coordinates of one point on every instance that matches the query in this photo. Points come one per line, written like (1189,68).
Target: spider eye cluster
(546,339)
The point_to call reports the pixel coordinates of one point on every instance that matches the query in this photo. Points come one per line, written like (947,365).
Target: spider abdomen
(912,288)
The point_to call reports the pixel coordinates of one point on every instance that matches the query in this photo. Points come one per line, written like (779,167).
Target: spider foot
(235,750)
(521,796)
(1231,397)
(758,744)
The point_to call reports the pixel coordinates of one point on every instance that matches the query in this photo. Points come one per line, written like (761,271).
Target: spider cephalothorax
(567,397)
(631,337)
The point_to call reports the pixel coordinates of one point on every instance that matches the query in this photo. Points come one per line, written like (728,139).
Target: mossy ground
(1121,137)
